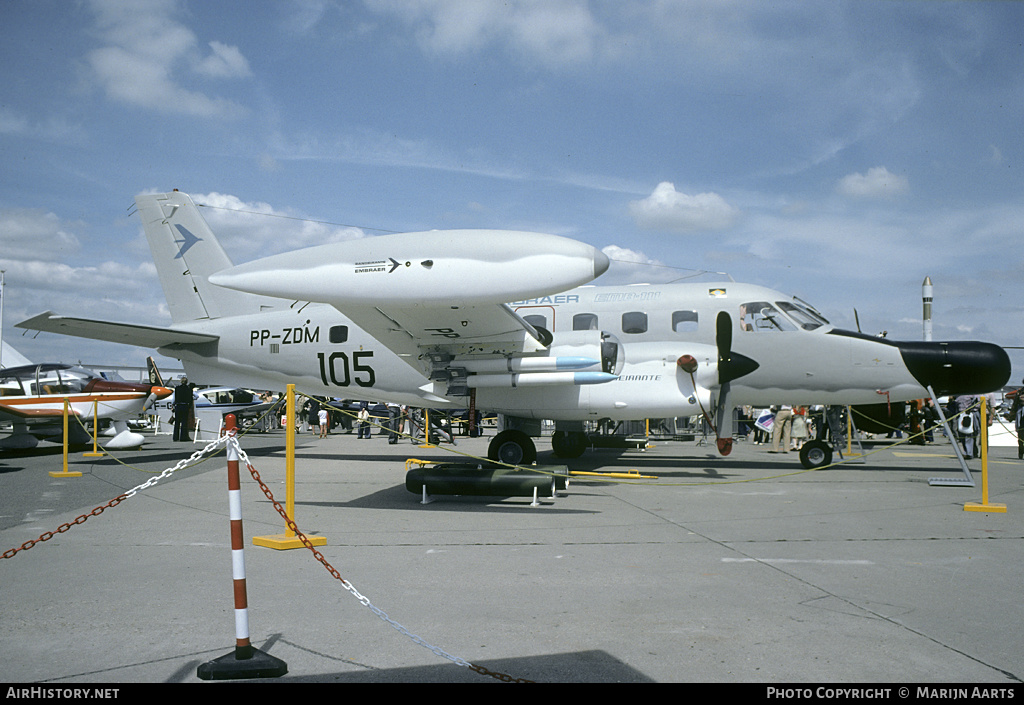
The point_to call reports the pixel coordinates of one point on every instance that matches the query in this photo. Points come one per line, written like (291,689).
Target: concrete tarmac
(741,569)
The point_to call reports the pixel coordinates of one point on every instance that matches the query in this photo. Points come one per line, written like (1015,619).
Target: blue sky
(840,151)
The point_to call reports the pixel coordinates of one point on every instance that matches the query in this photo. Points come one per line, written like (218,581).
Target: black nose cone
(957,367)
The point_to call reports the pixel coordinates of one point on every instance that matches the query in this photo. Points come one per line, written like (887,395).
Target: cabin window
(338,334)
(536,320)
(761,317)
(584,321)
(684,321)
(634,322)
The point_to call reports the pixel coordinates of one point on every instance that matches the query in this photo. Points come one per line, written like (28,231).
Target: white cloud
(249,230)
(879,182)
(148,56)
(224,62)
(25,233)
(668,209)
(553,32)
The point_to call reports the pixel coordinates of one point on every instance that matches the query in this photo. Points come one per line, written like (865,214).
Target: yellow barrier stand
(288,539)
(66,472)
(426,430)
(96,452)
(984,506)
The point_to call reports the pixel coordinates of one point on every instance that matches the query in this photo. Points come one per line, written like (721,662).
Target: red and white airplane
(32,399)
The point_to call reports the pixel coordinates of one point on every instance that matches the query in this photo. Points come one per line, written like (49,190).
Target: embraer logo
(186,241)
(381,265)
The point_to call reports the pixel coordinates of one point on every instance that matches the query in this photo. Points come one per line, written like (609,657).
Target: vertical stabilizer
(186,253)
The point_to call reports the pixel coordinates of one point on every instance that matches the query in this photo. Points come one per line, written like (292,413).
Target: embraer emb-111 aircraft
(425,319)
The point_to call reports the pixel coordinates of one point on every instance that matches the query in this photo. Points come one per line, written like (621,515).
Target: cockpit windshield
(806,317)
(34,380)
(764,316)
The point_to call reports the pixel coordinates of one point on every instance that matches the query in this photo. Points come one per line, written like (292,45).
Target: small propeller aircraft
(32,398)
(425,319)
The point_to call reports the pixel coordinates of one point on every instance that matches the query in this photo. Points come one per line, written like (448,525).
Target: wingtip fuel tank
(428,268)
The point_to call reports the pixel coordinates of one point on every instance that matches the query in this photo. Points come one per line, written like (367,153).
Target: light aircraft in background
(32,399)
(424,319)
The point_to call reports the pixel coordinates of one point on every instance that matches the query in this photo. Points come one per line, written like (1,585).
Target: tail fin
(154,374)
(186,252)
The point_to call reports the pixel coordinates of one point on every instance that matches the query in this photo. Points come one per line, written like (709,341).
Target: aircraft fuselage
(800,358)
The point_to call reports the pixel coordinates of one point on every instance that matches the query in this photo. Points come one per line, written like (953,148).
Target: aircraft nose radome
(957,367)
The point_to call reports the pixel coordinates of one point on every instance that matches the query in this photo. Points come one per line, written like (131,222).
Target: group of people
(391,418)
(791,427)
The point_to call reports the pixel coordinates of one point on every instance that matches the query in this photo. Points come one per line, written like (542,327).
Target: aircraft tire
(513,448)
(815,454)
(569,444)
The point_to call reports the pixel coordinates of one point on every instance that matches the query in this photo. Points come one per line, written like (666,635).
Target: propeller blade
(730,365)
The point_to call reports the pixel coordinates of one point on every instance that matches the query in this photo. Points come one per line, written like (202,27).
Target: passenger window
(634,322)
(761,316)
(584,321)
(338,334)
(684,321)
(536,320)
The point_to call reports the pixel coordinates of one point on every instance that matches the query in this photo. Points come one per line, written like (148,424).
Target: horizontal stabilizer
(127,333)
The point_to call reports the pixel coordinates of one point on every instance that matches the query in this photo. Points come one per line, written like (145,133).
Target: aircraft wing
(12,410)
(411,331)
(131,334)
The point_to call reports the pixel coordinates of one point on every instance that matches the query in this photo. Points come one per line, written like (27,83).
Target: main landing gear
(512,448)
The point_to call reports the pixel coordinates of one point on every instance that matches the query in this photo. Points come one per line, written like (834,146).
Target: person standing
(322,418)
(182,410)
(782,430)
(363,418)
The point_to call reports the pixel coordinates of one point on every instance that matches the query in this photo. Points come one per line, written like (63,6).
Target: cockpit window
(47,378)
(762,316)
(10,386)
(805,317)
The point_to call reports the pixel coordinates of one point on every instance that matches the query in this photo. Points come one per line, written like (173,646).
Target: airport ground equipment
(245,661)
(490,481)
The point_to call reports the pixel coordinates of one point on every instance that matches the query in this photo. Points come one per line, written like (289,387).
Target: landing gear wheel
(815,454)
(569,444)
(512,448)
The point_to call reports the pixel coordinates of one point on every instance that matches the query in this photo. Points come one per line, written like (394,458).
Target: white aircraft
(32,399)
(423,319)
(211,404)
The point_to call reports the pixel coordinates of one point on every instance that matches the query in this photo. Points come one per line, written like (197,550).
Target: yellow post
(65,472)
(288,539)
(983,438)
(96,452)
(426,430)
